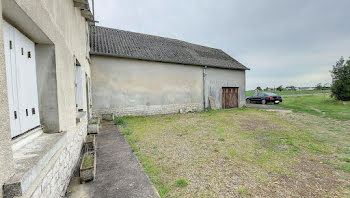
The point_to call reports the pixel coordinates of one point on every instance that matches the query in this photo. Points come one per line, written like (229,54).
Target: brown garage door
(229,97)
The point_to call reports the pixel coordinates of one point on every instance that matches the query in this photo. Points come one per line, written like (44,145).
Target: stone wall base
(55,178)
(144,110)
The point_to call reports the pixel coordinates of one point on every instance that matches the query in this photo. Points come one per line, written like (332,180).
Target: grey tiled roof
(120,43)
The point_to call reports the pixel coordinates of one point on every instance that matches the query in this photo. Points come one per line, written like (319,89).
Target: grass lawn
(283,93)
(243,153)
(320,105)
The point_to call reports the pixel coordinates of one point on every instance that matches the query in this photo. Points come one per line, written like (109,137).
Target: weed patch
(221,139)
(126,131)
(243,191)
(119,121)
(88,161)
(181,183)
(345,167)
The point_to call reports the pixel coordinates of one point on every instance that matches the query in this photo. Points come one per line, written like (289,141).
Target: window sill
(30,160)
(24,139)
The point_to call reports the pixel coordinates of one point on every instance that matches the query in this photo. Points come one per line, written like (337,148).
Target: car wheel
(263,102)
(248,101)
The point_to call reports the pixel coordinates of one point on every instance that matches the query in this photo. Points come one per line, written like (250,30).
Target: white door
(23,99)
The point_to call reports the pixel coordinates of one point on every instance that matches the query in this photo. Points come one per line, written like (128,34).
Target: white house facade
(44,65)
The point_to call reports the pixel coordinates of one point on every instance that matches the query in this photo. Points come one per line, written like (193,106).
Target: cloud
(283,42)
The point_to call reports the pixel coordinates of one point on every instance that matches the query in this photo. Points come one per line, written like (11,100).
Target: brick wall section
(143,110)
(55,182)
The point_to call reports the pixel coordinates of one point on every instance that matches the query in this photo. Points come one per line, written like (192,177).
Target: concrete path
(119,174)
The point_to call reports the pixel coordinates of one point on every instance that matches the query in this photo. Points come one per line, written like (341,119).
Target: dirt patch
(309,174)
(252,124)
(266,141)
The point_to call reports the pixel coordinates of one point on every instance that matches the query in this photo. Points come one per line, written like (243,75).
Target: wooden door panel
(235,101)
(229,97)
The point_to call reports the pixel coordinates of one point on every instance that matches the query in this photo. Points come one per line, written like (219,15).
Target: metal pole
(93,9)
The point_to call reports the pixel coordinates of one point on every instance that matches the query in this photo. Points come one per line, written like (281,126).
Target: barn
(138,74)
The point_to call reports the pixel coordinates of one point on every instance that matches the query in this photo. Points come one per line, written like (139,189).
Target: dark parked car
(264,98)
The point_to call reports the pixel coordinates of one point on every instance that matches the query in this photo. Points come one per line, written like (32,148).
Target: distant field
(321,105)
(283,93)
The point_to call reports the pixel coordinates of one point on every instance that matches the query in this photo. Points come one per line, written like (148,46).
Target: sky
(283,42)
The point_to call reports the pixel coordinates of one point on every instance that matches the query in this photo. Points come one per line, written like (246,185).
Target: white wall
(59,24)
(218,78)
(133,87)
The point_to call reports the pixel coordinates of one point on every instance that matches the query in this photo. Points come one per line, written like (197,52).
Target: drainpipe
(204,85)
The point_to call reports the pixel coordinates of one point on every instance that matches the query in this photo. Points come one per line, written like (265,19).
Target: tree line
(319,86)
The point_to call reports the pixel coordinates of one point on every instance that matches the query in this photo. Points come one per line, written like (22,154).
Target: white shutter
(11,76)
(79,87)
(30,83)
(24,96)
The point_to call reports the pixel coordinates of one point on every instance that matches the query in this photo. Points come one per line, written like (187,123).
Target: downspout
(204,85)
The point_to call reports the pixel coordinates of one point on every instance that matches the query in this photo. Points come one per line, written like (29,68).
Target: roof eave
(172,62)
